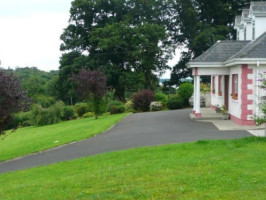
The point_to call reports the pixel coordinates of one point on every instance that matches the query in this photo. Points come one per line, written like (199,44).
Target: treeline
(131,41)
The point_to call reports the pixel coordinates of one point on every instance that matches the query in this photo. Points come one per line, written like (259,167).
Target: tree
(123,38)
(200,24)
(12,98)
(91,85)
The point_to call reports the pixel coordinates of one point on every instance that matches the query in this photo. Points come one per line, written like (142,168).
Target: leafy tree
(123,38)
(200,24)
(91,84)
(12,98)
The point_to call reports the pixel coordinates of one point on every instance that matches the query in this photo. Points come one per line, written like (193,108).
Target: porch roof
(220,51)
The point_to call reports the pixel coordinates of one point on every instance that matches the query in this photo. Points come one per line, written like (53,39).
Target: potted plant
(217,109)
(224,112)
(234,96)
(220,93)
(213,91)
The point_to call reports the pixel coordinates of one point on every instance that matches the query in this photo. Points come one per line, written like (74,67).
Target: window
(213,85)
(234,86)
(245,34)
(237,37)
(220,86)
(253,30)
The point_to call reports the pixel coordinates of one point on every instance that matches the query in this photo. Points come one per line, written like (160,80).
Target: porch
(209,115)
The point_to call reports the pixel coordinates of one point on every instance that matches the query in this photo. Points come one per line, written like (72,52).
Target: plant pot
(225,116)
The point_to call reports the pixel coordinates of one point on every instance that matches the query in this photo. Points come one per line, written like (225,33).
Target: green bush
(88,115)
(45,116)
(114,103)
(175,103)
(44,101)
(20,119)
(117,109)
(129,106)
(161,97)
(68,113)
(106,114)
(81,109)
(185,91)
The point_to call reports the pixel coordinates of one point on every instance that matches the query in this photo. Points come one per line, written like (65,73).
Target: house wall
(256,77)
(260,26)
(245,108)
(241,34)
(249,30)
(209,71)
(235,105)
(216,100)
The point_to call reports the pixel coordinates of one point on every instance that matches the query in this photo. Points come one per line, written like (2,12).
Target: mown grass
(33,139)
(217,170)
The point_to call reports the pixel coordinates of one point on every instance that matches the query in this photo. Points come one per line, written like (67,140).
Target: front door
(226,91)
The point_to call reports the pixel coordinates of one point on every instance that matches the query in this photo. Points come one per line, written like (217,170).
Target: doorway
(226,91)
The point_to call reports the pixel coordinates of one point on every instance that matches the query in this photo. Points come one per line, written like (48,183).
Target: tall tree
(200,24)
(91,85)
(123,38)
(12,98)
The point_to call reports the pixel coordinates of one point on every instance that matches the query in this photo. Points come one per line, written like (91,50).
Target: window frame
(235,85)
(220,78)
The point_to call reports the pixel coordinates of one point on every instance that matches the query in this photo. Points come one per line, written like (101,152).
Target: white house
(235,67)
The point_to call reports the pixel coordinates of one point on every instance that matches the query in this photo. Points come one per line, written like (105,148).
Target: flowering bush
(156,106)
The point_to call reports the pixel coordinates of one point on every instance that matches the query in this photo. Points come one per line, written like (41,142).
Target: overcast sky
(30,33)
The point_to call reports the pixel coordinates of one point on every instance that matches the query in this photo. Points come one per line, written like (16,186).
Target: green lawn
(203,170)
(33,139)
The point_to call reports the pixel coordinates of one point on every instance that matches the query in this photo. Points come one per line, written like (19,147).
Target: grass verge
(203,170)
(33,139)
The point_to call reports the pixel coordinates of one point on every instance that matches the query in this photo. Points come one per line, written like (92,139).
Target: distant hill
(36,82)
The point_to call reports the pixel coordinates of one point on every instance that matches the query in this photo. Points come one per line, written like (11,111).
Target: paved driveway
(145,129)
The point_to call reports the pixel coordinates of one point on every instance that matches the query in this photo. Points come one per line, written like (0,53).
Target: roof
(258,6)
(254,49)
(221,51)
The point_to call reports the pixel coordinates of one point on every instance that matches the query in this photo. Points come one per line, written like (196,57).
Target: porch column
(194,96)
(197,114)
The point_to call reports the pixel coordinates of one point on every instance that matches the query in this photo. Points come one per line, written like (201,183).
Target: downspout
(257,88)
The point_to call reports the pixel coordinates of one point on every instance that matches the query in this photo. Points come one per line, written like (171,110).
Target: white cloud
(32,40)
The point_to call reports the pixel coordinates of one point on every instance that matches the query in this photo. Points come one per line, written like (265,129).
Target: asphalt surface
(144,129)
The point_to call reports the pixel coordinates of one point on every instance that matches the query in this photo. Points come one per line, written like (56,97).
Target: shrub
(44,101)
(161,97)
(20,119)
(129,106)
(117,109)
(185,91)
(106,114)
(114,103)
(204,88)
(175,103)
(142,100)
(68,113)
(45,116)
(88,115)
(81,109)
(156,106)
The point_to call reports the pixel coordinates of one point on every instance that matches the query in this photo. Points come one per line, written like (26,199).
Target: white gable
(251,24)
